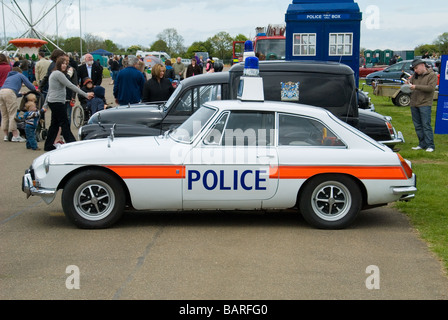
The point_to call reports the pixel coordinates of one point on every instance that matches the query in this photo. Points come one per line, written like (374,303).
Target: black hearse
(324,84)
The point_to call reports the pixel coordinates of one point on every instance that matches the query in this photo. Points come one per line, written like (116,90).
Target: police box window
(304,44)
(341,44)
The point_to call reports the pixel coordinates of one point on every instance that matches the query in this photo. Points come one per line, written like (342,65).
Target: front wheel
(93,199)
(78,116)
(330,202)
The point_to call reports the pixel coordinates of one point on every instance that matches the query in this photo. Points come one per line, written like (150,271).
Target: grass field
(427,211)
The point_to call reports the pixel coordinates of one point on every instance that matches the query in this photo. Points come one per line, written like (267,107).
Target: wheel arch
(64,181)
(361,185)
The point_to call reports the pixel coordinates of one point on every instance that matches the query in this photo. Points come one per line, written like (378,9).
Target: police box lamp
(251,84)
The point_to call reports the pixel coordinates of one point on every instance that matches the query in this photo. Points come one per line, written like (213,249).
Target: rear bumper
(407,193)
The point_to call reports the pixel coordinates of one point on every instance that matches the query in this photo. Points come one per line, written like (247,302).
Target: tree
(240,37)
(72,44)
(110,46)
(222,44)
(442,43)
(93,43)
(159,45)
(421,50)
(133,49)
(173,40)
(200,46)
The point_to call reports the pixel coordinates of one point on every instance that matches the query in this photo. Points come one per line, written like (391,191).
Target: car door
(393,72)
(234,165)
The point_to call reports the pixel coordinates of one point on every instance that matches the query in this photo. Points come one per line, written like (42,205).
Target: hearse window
(192,99)
(301,131)
(249,129)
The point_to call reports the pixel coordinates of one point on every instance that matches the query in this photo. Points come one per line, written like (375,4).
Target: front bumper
(29,186)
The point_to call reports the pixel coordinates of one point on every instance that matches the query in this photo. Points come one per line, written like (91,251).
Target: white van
(159,54)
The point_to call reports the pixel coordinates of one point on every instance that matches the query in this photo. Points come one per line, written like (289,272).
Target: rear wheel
(402,100)
(93,199)
(330,201)
(78,116)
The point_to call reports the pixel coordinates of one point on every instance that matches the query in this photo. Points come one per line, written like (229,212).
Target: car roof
(299,66)
(207,78)
(273,106)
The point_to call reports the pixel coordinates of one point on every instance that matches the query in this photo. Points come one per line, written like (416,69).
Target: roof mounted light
(251,68)
(248,50)
(251,84)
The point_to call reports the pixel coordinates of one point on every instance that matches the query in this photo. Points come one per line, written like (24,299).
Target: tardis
(324,30)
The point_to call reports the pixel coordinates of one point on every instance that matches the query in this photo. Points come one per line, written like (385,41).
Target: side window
(184,104)
(300,131)
(249,129)
(214,137)
(193,98)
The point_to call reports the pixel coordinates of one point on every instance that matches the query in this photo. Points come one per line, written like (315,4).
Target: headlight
(47,164)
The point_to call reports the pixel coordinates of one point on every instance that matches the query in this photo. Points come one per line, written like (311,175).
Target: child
(31,120)
(97,103)
(87,86)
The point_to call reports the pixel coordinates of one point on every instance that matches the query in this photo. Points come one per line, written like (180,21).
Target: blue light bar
(251,67)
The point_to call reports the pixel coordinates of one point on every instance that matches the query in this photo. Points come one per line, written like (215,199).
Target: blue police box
(324,30)
(442,102)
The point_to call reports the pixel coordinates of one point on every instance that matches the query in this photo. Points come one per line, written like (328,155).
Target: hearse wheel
(330,201)
(93,199)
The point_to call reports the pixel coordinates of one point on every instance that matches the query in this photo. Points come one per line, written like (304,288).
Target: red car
(363,72)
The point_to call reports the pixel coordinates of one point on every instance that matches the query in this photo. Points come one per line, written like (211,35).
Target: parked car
(396,72)
(327,85)
(363,72)
(229,155)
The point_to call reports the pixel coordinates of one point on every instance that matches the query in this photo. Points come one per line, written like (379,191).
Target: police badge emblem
(290,91)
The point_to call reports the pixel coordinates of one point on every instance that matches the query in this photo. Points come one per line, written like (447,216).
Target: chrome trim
(399,139)
(407,192)
(28,187)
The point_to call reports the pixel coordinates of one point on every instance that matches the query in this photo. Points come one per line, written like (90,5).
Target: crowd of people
(56,81)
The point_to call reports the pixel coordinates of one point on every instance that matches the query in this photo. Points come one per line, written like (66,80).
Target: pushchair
(80,115)
(41,130)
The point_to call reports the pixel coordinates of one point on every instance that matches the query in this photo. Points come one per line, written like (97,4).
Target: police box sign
(326,16)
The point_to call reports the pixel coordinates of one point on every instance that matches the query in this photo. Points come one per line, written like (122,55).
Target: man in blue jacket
(129,83)
(9,93)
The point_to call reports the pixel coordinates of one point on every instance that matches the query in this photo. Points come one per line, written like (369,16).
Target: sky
(396,25)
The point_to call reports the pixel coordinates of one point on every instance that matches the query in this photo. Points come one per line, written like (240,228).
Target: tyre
(93,199)
(78,116)
(330,201)
(402,100)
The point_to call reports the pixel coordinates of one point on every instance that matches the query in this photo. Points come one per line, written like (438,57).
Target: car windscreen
(273,49)
(188,130)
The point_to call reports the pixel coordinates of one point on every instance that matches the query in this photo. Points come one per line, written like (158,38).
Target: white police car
(228,155)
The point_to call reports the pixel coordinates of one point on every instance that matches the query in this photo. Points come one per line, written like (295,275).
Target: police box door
(234,164)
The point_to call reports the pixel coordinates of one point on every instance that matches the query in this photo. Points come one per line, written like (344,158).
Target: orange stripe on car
(280,172)
(149,172)
(361,172)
